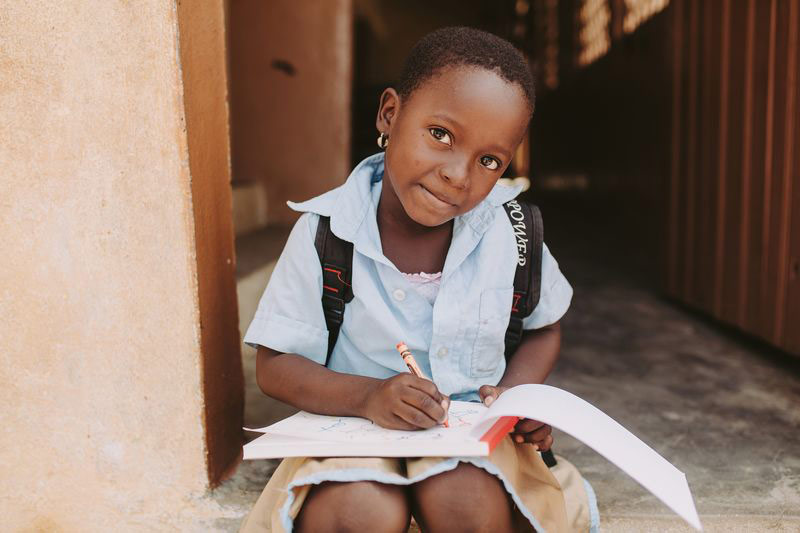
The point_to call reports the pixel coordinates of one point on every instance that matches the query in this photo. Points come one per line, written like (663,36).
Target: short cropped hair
(462,46)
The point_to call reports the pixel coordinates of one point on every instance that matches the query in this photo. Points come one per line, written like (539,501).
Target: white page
(462,417)
(597,430)
(269,446)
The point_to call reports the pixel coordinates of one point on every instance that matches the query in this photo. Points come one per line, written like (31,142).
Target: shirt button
(399,295)
(442,352)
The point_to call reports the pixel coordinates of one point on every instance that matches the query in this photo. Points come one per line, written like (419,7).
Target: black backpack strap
(336,259)
(526,221)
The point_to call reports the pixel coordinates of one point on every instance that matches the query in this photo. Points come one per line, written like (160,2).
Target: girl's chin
(428,210)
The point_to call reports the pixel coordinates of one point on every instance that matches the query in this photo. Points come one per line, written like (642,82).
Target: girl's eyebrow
(446,118)
(500,150)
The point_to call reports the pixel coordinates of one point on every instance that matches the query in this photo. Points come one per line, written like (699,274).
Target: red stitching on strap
(330,288)
(338,275)
(517,296)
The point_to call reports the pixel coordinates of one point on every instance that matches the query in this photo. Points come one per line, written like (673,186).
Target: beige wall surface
(102,424)
(291,70)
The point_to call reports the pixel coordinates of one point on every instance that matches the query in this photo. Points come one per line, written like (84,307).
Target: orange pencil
(413,367)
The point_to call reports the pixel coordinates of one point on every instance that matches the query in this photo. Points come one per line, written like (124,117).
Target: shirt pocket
(494,312)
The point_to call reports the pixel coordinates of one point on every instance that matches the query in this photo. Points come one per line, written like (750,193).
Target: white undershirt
(427,285)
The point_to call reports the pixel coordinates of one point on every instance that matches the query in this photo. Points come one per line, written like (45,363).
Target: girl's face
(450,141)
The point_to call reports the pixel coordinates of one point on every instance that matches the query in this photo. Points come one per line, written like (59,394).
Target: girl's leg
(464,499)
(355,506)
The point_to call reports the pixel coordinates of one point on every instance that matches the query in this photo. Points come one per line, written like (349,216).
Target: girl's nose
(456,172)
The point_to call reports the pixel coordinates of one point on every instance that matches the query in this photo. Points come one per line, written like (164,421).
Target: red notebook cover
(500,429)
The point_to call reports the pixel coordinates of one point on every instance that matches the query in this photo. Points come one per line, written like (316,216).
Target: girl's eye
(490,162)
(441,135)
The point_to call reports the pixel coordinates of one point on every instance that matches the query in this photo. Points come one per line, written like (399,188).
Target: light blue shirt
(458,341)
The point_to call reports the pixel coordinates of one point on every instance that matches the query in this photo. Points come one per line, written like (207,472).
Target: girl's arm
(535,358)
(400,402)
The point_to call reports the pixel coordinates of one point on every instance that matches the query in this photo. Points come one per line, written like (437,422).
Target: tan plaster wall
(291,129)
(101,427)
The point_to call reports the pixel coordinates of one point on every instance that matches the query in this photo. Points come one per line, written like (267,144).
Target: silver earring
(383,141)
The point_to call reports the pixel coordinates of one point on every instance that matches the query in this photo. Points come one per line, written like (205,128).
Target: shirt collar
(348,204)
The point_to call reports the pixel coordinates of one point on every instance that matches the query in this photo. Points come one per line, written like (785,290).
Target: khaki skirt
(554,499)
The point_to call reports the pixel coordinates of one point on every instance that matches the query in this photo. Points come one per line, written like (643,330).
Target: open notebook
(474,430)
(305,434)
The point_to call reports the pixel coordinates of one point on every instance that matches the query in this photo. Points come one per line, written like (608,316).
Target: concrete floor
(723,408)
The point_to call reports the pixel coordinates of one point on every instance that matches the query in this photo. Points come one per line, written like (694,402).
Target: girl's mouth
(435,200)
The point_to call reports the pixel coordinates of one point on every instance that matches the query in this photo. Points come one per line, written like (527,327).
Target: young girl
(433,265)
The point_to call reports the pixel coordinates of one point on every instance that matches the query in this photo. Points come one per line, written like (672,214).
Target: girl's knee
(355,506)
(465,499)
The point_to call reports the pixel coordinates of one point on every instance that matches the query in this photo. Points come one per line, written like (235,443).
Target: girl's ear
(387,110)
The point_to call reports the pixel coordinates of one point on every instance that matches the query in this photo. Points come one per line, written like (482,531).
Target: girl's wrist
(361,396)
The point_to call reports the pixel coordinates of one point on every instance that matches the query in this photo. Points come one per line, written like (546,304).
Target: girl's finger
(526,425)
(526,438)
(544,444)
(534,436)
(485,392)
(399,423)
(538,435)
(425,403)
(490,393)
(426,386)
(415,417)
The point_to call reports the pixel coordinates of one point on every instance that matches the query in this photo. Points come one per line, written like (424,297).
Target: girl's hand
(406,402)
(526,430)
